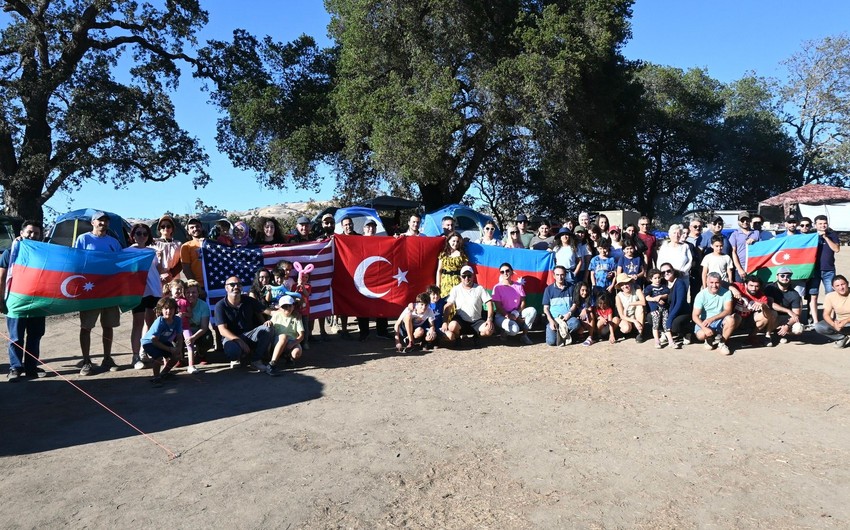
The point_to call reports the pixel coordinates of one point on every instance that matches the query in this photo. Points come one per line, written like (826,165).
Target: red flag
(377,276)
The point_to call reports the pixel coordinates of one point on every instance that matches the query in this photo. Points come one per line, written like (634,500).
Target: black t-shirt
(789,299)
(239,319)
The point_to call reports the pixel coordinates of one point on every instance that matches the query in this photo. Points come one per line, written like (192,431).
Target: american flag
(221,262)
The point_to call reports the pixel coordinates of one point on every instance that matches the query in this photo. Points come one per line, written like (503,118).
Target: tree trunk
(23,199)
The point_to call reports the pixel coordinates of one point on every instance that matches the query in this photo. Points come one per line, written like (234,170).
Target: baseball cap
(792,219)
(98,215)
(578,229)
(717,221)
(743,215)
(194,221)
(784,270)
(614,228)
(521,218)
(302,220)
(286,300)
(328,216)
(466,268)
(370,222)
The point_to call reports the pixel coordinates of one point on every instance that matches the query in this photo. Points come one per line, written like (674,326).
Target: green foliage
(63,116)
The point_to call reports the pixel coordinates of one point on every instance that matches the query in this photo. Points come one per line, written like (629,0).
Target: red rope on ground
(171,454)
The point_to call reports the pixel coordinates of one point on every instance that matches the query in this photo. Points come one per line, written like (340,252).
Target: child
(602,268)
(220,233)
(415,323)
(717,262)
(290,332)
(303,288)
(582,309)
(177,288)
(163,340)
(656,294)
(283,275)
(631,263)
(605,317)
(437,304)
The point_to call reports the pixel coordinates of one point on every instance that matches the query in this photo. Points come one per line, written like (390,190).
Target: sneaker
(525,339)
(14,375)
(38,374)
(783,340)
(639,338)
(568,339)
(658,345)
(663,340)
(144,357)
(139,365)
(688,339)
(259,366)
(273,370)
(192,370)
(842,342)
(723,348)
(768,341)
(80,363)
(87,369)
(108,364)
(234,364)
(677,345)
(709,343)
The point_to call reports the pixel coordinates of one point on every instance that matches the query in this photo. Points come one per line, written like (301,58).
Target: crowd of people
(608,284)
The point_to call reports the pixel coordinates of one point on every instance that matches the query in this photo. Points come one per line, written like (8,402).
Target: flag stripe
(49,283)
(41,306)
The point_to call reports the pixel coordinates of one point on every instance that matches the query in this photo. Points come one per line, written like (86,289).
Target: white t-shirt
(719,264)
(469,302)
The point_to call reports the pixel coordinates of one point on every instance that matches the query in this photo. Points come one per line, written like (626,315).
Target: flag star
(401,276)
(786,256)
(88,286)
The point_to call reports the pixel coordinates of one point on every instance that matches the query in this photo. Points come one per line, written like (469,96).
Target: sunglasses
(140,233)
(489,228)
(165,226)
(667,271)
(514,233)
(784,275)
(805,225)
(697,227)
(466,275)
(233,284)
(506,271)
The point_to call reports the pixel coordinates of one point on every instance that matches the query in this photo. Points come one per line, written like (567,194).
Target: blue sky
(725,37)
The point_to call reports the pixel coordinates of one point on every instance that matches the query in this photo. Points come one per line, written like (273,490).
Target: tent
(360,216)
(388,202)
(809,200)
(468,222)
(69,225)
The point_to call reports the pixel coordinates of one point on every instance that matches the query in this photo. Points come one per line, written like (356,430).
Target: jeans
(259,339)
(512,327)
(552,334)
(828,331)
(33,329)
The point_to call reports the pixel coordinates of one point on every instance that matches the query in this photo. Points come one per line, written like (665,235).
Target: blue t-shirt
(600,267)
(437,309)
(89,241)
(559,300)
(163,331)
(651,290)
(631,265)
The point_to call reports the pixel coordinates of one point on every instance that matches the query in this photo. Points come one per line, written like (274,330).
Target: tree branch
(144,43)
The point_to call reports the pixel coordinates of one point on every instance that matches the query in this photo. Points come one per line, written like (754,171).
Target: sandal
(587,342)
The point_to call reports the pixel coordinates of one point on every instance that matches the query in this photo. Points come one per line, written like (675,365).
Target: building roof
(809,194)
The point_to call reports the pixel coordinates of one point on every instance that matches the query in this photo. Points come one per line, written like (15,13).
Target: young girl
(184,313)
(415,323)
(261,289)
(451,260)
(143,314)
(303,288)
(630,307)
(289,329)
(656,294)
(631,264)
(566,255)
(605,317)
(163,340)
(582,309)
(283,275)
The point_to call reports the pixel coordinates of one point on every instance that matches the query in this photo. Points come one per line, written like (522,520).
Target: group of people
(608,283)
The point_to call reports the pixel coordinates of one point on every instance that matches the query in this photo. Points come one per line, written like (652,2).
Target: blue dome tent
(69,225)
(468,222)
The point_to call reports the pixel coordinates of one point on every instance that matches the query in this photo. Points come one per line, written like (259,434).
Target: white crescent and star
(782,254)
(63,287)
(360,274)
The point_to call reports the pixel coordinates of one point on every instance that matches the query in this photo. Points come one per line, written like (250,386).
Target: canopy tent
(359,215)
(468,222)
(778,207)
(388,202)
(70,225)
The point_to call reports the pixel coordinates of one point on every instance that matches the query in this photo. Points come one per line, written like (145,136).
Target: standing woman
(514,239)
(143,314)
(676,250)
(168,250)
(487,236)
(451,260)
(267,232)
(241,234)
(566,255)
(603,224)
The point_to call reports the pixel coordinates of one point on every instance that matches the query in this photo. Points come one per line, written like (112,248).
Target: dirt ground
(505,436)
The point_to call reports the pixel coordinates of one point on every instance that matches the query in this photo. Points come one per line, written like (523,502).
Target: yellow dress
(450,274)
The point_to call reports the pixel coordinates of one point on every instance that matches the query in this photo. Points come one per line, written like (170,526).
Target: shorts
(155,352)
(402,329)
(148,302)
(473,328)
(110,317)
(290,345)
(716,326)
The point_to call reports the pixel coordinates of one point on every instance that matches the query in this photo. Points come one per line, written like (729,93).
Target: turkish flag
(377,276)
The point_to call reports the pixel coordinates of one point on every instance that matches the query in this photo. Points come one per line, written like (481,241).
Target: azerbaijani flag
(798,253)
(533,268)
(47,279)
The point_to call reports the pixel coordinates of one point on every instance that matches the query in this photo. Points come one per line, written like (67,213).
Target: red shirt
(744,305)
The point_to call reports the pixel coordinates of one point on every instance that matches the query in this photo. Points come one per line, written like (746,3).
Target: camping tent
(810,200)
(388,202)
(359,215)
(69,225)
(468,222)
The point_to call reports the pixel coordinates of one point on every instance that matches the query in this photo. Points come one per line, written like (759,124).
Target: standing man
(246,333)
(828,247)
(806,226)
(190,257)
(302,230)
(110,317)
(756,223)
(413,225)
(469,298)
(694,235)
(24,332)
(327,226)
(347,229)
(448,224)
(787,303)
(713,315)
(522,227)
(790,226)
(715,229)
(648,240)
(836,313)
(739,240)
(381,324)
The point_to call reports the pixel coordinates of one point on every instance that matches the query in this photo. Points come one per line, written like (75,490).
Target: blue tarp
(358,214)
(468,222)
